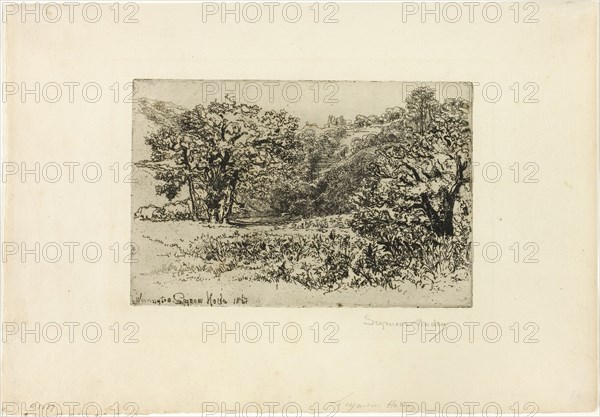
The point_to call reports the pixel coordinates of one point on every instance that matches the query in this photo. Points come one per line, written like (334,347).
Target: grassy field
(315,262)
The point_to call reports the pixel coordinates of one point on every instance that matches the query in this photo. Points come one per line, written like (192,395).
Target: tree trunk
(230,205)
(442,222)
(229,200)
(447,225)
(192,199)
(432,215)
(186,162)
(223,215)
(214,197)
(214,216)
(225,209)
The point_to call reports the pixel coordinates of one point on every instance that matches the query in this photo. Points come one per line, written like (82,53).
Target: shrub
(178,210)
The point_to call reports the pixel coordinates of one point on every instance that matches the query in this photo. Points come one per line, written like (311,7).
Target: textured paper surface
(374,365)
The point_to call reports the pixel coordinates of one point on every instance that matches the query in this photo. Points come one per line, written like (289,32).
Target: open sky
(311,101)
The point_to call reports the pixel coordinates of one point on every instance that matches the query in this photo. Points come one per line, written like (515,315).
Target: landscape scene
(362,198)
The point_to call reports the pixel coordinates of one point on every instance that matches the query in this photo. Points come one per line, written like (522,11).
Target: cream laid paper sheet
(299,208)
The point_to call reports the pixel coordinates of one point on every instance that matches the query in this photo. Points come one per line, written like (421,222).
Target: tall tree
(429,171)
(421,177)
(422,108)
(216,150)
(225,146)
(172,155)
